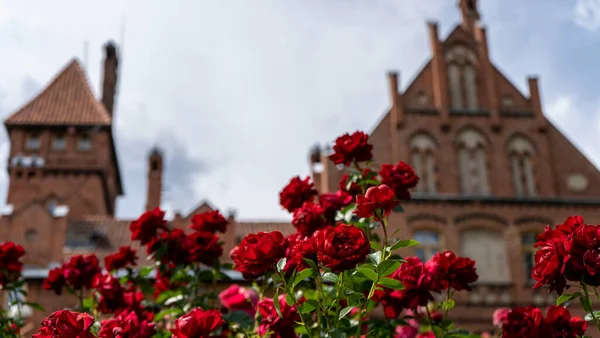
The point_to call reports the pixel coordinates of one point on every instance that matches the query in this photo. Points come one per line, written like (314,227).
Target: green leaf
(276,301)
(330,277)
(448,305)
(370,274)
(585,303)
(375,257)
(205,276)
(301,276)
(222,276)
(35,306)
(391,283)
(145,271)
(388,267)
(588,317)
(345,311)
(375,246)
(88,303)
(166,295)
(240,317)
(308,306)
(312,264)
(566,297)
(173,300)
(405,243)
(281,264)
(289,300)
(399,208)
(171,312)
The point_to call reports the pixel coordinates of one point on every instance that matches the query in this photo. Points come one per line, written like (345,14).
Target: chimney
(109,85)
(536,101)
(155,172)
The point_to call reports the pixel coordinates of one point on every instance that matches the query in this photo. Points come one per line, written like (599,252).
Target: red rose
(406,331)
(145,228)
(400,178)
(332,203)
(10,253)
(296,193)
(239,298)
(170,247)
(522,322)
(81,270)
(257,253)
(67,324)
(132,302)
(126,325)
(110,293)
(349,148)
(500,316)
(342,247)
(125,256)
(280,327)
(583,246)
(308,218)
(197,323)
(204,247)
(549,260)
(55,281)
(452,271)
(302,247)
(211,221)
(377,202)
(559,324)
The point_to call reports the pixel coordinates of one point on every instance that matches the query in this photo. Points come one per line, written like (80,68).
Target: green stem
(337,300)
(290,292)
(214,287)
(588,300)
(261,295)
(81,300)
(448,297)
(430,320)
(319,286)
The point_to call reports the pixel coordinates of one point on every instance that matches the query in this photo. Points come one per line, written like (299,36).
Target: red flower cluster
(529,322)
(444,270)
(569,252)
(280,327)
(299,248)
(78,273)
(111,294)
(147,227)
(309,218)
(211,221)
(257,253)
(377,202)
(350,148)
(400,178)
(170,247)
(342,247)
(197,323)
(331,203)
(68,324)
(125,256)
(10,255)
(126,325)
(296,193)
(204,247)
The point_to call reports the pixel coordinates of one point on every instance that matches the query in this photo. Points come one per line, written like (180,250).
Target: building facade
(494,171)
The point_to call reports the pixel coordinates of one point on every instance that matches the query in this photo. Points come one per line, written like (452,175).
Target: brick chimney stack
(109,85)
(155,172)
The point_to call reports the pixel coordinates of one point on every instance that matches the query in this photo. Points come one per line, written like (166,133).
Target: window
(462,78)
(528,239)
(470,87)
(521,153)
(59,142)
(423,147)
(472,164)
(84,142)
(31,235)
(487,248)
(455,87)
(33,142)
(429,244)
(422,98)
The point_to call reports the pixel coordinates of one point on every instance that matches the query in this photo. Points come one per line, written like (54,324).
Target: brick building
(494,171)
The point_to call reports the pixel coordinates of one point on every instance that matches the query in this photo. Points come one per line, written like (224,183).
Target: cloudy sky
(236,92)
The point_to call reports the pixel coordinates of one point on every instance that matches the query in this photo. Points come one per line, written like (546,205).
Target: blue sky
(236,92)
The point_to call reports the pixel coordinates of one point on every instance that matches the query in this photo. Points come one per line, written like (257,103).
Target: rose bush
(326,280)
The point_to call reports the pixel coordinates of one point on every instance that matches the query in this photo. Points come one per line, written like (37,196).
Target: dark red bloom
(80,271)
(377,202)
(55,281)
(211,221)
(309,218)
(10,255)
(67,324)
(280,327)
(132,302)
(170,247)
(126,325)
(523,322)
(110,293)
(559,324)
(583,246)
(452,271)
(332,203)
(296,193)
(303,247)
(550,259)
(349,148)
(125,256)
(258,253)
(204,247)
(342,247)
(197,323)
(400,178)
(145,228)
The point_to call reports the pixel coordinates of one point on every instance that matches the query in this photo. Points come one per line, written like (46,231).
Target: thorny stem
(587,299)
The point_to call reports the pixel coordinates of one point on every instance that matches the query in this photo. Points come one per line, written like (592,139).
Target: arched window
(470,87)
(488,249)
(429,244)
(521,153)
(455,87)
(462,78)
(422,148)
(528,239)
(472,164)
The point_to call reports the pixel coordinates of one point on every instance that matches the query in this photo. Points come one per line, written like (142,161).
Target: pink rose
(239,298)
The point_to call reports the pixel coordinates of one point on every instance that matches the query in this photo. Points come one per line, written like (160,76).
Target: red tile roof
(67,100)
(245,228)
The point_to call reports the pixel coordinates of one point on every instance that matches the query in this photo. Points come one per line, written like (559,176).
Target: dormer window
(59,142)
(84,142)
(33,141)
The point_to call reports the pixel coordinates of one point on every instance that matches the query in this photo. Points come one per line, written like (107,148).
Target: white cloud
(587,14)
